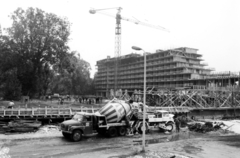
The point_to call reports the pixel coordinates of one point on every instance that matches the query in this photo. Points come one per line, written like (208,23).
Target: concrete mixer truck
(116,118)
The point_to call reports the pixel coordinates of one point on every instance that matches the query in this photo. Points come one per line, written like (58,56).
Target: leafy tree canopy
(35,51)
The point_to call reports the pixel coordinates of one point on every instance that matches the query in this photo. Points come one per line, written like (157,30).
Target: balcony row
(139,71)
(172,69)
(141,81)
(137,87)
(151,62)
(126,77)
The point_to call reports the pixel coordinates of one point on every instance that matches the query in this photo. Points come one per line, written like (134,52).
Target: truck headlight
(62,127)
(69,128)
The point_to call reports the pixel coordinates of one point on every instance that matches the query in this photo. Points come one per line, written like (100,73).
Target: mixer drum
(115,111)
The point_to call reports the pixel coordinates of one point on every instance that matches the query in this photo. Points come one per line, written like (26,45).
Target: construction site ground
(49,142)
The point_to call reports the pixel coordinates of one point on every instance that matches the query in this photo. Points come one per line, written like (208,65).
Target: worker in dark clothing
(61,101)
(10,104)
(177,124)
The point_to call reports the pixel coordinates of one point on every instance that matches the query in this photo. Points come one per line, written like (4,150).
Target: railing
(229,88)
(44,111)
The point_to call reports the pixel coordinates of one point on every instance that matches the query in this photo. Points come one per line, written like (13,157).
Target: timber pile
(203,127)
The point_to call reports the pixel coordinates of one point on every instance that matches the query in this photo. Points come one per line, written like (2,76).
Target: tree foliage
(34,56)
(74,77)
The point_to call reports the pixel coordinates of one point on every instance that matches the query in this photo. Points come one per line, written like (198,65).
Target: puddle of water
(233,140)
(172,137)
(151,141)
(154,141)
(191,149)
(184,135)
(65,154)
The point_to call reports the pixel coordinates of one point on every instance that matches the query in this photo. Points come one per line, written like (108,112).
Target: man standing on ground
(177,124)
(10,104)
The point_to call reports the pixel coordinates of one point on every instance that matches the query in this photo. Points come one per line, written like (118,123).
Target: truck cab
(81,124)
(160,116)
(161,119)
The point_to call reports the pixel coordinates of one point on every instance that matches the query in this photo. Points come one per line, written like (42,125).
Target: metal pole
(239,80)
(144,104)
(144,97)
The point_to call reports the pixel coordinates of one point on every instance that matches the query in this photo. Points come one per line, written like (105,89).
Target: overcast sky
(212,26)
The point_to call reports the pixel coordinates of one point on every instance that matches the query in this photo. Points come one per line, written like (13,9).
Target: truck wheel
(140,128)
(122,131)
(66,135)
(169,127)
(112,132)
(76,135)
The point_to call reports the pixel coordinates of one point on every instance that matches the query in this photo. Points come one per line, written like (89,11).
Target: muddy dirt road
(185,143)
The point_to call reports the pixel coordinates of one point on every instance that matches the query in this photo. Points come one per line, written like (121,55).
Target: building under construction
(166,69)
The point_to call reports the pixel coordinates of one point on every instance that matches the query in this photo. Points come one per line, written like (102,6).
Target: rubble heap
(203,127)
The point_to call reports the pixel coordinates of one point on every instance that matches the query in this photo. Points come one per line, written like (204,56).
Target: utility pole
(0,30)
(239,80)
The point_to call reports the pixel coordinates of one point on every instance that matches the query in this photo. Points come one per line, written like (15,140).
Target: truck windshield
(78,117)
(165,114)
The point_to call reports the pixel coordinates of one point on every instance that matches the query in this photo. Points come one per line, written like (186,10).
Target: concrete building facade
(180,67)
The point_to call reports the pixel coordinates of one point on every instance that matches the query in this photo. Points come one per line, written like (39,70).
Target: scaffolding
(217,97)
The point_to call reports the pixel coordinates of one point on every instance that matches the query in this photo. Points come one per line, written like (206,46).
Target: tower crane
(117,50)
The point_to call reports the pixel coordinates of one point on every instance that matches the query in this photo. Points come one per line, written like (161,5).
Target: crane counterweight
(92,11)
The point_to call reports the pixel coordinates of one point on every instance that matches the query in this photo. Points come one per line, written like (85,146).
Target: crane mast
(117,48)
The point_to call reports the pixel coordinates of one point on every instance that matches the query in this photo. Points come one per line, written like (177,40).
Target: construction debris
(48,129)
(22,126)
(203,127)
(232,125)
